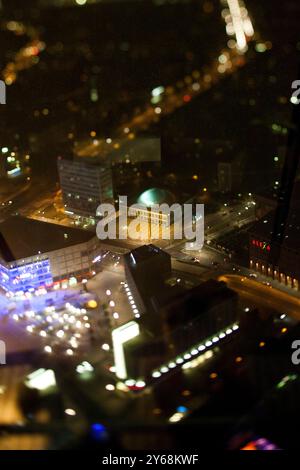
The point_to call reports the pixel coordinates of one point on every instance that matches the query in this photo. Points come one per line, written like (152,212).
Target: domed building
(153,196)
(152,217)
(149,213)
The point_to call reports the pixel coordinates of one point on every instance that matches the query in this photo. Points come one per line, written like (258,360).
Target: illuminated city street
(149,230)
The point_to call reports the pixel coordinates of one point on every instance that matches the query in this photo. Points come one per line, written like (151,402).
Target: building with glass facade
(35,254)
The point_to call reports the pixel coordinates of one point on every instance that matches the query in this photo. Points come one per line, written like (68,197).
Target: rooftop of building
(181,312)
(22,238)
(153,196)
(198,299)
(86,163)
(143,253)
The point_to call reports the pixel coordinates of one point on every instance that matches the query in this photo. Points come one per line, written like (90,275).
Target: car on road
(268,284)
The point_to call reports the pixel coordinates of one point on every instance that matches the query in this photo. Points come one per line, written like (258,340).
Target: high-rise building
(84,186)
(274,241)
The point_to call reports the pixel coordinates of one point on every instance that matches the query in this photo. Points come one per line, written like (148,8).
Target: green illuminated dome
(155,196)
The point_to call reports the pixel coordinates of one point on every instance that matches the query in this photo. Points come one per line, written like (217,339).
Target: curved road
(260,294)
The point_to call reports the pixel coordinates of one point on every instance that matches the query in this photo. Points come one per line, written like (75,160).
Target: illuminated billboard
(262,245)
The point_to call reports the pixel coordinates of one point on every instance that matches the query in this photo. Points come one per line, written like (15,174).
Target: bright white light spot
(110,387)
(41,379)
(179,360)
(294,100)
(172,365)
(140,384)
(156,375)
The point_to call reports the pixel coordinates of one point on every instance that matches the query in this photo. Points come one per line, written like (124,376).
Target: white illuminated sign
(120,336)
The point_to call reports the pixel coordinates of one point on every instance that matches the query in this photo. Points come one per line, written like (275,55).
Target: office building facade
(84,186)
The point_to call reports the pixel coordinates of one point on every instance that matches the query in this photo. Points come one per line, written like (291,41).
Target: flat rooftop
(143,253)
(22,238)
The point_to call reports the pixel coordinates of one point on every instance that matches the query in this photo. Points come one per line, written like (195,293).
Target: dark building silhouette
(274,241)
(146,269)
(178,325)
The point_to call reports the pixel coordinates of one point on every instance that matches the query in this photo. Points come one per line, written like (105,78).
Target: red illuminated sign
(262,245)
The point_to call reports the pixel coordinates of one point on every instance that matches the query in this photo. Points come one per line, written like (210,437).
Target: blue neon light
(28,276)
(4,277)
(99,432)
(181,409)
